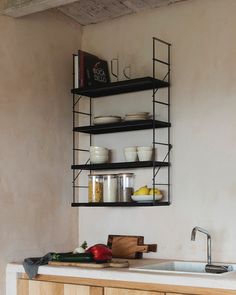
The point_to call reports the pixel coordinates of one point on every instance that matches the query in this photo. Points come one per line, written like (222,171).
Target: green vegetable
(70,257)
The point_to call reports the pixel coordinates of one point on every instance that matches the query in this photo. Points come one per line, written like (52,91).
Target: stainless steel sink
(179,267)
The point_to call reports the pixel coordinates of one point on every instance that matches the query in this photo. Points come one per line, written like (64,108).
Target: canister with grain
(125,187)
(95,188)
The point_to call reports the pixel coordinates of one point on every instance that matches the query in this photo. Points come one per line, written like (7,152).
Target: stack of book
(89,70)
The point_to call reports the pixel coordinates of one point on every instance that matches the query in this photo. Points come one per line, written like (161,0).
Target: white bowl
(98,159)
(130,156)
(97,148)
(130,149)
(145,155)
(144,148)
(146,198)
(99,153)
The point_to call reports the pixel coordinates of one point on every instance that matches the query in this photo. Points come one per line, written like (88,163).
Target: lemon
(144,190)
(156,191)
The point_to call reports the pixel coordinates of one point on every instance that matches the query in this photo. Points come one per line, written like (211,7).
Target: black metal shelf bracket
(155,62)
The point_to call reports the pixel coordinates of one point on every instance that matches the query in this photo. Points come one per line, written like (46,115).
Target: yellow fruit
(157,191)
(144,190)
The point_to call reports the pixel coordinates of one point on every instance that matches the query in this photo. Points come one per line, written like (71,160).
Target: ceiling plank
(84,12)
(94,11)
(18,8)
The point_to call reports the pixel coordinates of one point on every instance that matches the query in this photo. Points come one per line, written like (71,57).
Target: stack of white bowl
(98,155)
(143,153)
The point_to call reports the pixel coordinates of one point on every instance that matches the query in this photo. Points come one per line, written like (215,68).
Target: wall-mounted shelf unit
(122,87)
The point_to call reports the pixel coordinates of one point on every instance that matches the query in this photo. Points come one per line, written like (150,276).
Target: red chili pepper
(100,252)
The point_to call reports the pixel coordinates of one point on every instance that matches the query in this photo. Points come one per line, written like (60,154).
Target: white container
(110,188)
(145,155)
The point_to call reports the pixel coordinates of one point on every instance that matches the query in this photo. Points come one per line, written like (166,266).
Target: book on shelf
(93,71)
(76,70)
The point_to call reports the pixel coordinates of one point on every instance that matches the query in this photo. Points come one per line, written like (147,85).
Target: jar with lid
(125,186)
(95,188)
(110,188)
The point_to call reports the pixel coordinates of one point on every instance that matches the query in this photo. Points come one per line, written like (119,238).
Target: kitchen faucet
(193,236)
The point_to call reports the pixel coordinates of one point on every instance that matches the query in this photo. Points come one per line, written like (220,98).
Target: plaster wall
(203,127)
(35,127)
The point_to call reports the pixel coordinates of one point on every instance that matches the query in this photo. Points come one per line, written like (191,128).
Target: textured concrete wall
(35,128)
(203,126)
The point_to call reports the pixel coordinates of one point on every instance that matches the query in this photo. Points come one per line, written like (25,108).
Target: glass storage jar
(125,186)
(110,188)
(95,188)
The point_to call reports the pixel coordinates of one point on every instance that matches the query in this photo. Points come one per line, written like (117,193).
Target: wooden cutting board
(129,246)
(113,263)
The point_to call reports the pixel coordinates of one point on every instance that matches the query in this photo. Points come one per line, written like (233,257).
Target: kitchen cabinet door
(45,288)
(28,287)
(82,290)
(116,291)
(22,287)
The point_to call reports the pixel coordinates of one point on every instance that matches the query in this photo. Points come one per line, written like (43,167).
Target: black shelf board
(132,85)
(120,165)
(122,204)
(122,126)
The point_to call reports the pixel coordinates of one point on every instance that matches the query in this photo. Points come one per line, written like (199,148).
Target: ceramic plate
(136,118)
(106,120)
(146,198)
(138,114)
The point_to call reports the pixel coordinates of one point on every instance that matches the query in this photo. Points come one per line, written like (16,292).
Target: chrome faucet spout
(202,230)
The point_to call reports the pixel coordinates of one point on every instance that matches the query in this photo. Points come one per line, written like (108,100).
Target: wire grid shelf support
(155,102)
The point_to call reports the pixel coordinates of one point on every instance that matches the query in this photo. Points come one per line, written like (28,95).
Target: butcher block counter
(67,280)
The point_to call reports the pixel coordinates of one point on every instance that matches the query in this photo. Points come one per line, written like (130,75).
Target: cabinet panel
(45,288)
(76,290)
(116,291)
(22,287)
(27,287)
(82,290)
